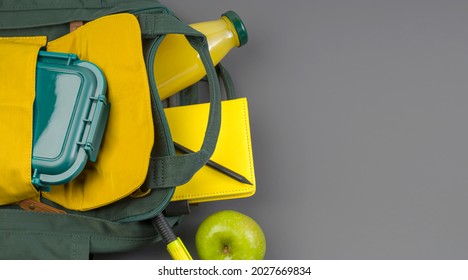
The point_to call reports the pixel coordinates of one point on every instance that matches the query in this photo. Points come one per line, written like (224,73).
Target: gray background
(359,116)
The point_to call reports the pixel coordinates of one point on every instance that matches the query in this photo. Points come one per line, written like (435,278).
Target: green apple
(230,235)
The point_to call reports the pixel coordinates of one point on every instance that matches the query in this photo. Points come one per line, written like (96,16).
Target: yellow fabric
(233,150)
(18,58)
(113,43)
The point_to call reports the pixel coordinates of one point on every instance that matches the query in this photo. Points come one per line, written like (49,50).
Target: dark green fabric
(31,235)
(17,245)
(52,17)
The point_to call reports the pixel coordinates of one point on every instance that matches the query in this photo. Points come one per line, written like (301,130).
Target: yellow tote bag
(17,91)
(113,43)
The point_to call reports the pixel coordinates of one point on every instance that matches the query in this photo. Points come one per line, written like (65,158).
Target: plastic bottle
(177,65)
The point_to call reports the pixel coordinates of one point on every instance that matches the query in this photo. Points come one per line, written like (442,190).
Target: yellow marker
(177,65)
(178,251)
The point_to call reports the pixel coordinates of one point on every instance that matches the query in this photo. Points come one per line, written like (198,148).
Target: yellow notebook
(233,151)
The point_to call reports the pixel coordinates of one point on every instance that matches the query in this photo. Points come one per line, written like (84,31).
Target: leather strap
(36,206)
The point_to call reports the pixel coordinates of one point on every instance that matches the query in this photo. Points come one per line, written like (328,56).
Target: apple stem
(226,250)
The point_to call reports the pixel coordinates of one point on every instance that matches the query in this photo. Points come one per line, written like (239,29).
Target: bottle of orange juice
(177,65)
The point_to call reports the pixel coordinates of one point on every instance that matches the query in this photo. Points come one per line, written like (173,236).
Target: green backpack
(128,223)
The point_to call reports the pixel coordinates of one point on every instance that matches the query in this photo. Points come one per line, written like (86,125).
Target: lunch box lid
(70,116)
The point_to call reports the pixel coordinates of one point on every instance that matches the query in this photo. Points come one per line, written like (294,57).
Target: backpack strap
(227,82)
(174,170)
(191,95)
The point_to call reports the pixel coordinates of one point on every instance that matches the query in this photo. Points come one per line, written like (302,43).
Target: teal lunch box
(70,116)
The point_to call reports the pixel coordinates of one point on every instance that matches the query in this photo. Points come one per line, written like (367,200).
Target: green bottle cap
(238,25)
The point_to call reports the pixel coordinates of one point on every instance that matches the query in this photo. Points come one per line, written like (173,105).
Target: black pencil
(218,167)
